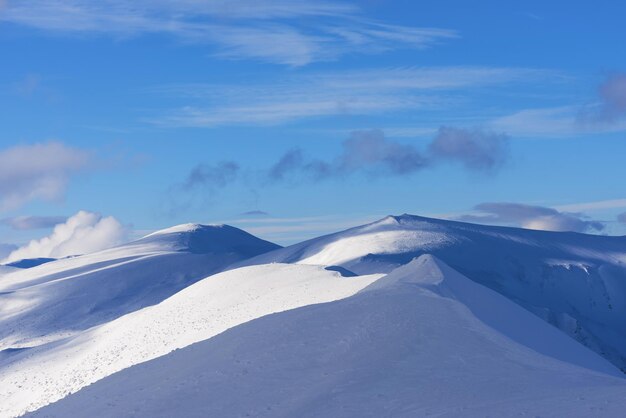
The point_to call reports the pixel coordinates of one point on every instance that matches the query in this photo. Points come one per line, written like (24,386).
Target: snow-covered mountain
(421,341)
(576,282)
(60,298)
(402,317)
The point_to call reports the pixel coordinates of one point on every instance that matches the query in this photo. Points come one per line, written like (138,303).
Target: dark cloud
(372,153)
(290,161)
(211,176)
(532,217)
(370,149)
(255,213)
(364,151)
(200,186)
(33,222)
(611,102)
(475,148)
(612,93)
(621,218)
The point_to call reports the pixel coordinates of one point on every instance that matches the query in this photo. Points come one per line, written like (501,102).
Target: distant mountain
(60,298)
(576,282)
(421,341)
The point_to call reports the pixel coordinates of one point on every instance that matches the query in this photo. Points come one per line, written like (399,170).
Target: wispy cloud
(272,30)
(553,122)
(363,92)
(33,222)
(531,217)
(211,176)
(203,182)
(27,86)
(37,172)
(593,206)
(255,213)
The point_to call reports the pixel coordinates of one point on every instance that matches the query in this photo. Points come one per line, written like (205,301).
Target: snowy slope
(198,312)
(4,270)
(423,341)
(62,297)
(575,281)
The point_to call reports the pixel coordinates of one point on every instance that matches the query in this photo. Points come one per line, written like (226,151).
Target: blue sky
(291,119)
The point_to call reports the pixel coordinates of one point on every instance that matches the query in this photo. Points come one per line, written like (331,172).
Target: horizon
(291,120)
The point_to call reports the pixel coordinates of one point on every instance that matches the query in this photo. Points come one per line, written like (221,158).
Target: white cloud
(40,171)
(279,44)
(279,31)
(532,217)
(82,233)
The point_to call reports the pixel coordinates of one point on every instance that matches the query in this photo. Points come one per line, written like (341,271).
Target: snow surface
(4,270)
(576,282)
(60,298)
(422,341)
(198,312)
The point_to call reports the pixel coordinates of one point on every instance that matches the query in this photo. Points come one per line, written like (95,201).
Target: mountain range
(406,316)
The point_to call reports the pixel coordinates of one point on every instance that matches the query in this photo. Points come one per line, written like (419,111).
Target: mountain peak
(182,228)
(405,218)
(424,270)
(204,239)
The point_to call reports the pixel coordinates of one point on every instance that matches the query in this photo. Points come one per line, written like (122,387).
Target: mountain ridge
(572,280)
